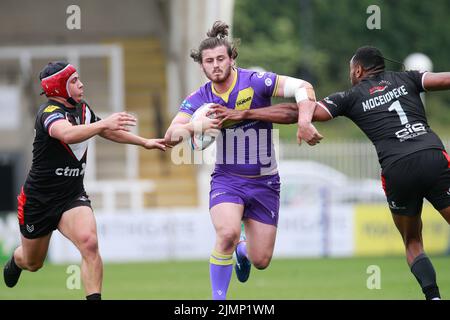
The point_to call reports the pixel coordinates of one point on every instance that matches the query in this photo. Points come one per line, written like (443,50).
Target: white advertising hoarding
(312,231)
(152,235)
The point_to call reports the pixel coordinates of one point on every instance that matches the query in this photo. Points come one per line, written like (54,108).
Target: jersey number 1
(401,113)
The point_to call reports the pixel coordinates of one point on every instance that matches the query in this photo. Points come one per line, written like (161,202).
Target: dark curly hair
(370,58)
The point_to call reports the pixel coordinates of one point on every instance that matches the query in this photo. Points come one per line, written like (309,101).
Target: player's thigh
(35,250)
(79,226)
(403,188)
(260,239)
(226,218)
(409,226)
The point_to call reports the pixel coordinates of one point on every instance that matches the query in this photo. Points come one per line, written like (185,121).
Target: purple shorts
(260,196)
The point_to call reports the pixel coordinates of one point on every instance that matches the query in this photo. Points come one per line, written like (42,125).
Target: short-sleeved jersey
(244,148)
(387,107)
(57,170)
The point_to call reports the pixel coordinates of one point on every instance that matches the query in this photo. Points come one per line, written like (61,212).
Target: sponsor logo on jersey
(448,192)
(71,172)
(260,74)
(377,89)
(244,99)
(50,109)
(186,106)
(30,228)
(268,82)
(411,131)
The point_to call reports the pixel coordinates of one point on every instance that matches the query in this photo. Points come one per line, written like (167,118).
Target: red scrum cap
(55,79)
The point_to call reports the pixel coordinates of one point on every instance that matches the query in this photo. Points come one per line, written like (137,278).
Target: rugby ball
(201,140)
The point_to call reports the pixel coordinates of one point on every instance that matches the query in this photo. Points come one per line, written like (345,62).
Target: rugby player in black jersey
(53,196)
(387,107)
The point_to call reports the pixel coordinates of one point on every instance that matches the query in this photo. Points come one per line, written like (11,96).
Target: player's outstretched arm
(320,114)
(436,81)
(282,113)
(121,136)
(64,131)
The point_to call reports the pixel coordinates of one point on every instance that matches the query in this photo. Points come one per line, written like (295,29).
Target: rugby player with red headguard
(53,196)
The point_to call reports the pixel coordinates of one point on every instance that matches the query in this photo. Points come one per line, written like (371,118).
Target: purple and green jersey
(244,148)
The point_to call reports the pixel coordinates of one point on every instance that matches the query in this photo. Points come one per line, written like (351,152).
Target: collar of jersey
(59,104)
(225,96)
(372,76)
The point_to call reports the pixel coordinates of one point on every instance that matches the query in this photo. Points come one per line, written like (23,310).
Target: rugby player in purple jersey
(245,184)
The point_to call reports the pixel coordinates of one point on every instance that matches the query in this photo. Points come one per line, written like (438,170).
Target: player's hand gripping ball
(201,140)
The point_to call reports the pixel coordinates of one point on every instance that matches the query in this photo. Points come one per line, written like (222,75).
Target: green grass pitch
(321,278)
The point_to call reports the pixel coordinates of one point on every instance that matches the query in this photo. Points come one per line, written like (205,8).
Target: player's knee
(413,242)
(228,237)
(34,266)
(261,263)
(88,244)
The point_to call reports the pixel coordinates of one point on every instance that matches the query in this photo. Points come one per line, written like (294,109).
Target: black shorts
(37,219)
(423,174)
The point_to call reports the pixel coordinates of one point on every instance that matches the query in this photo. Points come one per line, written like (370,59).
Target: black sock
(424,272)
(94,296)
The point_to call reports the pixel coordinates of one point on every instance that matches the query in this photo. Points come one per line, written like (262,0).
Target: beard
(221,77)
